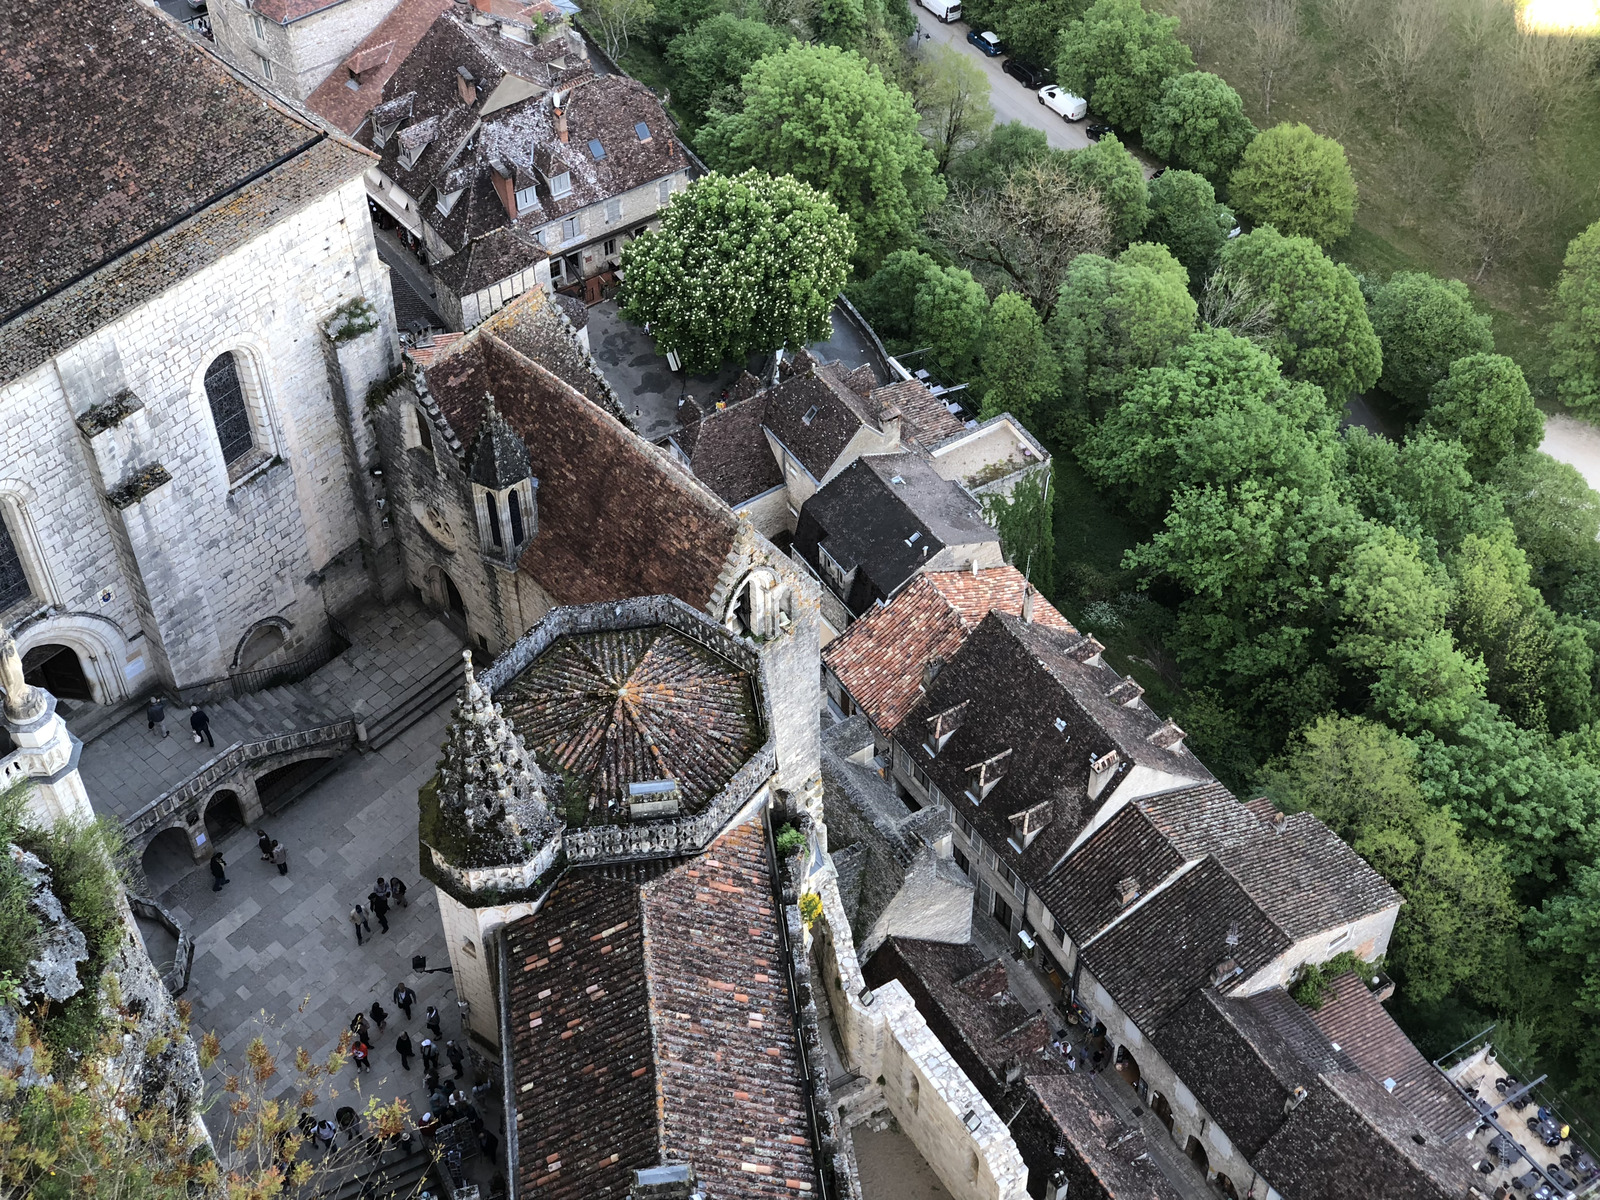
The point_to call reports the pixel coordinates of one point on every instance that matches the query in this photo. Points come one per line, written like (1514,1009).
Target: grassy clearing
(1413,180)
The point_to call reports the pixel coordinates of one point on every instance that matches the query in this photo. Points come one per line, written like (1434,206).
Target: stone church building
(191,313)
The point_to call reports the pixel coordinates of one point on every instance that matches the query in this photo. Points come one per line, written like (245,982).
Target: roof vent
(1061,726)
(1389,1085)
(811,415)
(914,538)
(1233,933)
(669,1181)
(1225,970)
(596,149)
(1127,890)
(1297,1098)
(1105,762)
(1168,737)
(653,798)
(1126,693)
(1086,650)
(930,670)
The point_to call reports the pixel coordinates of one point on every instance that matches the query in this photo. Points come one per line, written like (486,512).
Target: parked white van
(1064,102)
(946,10)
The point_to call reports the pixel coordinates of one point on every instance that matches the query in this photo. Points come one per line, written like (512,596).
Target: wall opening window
(424,432)
(516,519)
(613,209)
(13,579)
(610,247)
(266,66)
(229,412)
(494,522)
(260,27)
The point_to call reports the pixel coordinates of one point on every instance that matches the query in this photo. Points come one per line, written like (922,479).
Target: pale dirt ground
(891,1168)
(1576,442)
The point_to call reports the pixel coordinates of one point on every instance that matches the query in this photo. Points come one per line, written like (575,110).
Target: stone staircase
(444,681)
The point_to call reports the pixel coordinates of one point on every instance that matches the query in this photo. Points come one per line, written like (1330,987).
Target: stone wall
(303,53)
(167,587)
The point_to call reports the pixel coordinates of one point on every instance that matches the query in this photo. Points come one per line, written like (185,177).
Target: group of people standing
(378,900)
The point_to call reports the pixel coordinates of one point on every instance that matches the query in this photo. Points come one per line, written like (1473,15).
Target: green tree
(1321,330)
(1025,521)
(1568,925)
(1217,413)
(1115,316)
(840,22)
(1556,515)
(947,315)
(672,17)
(1018,371)
(708,61)
(1199,124)
(1361,780)
(1575,336)
(1031,29)
(739,265)
(984,168)
(827,117)
(1484,403)
(1186,218)
(953,100)
(888,298)
(1391,597)
(1424,324)
(1118,57)
(1116,175)
(1297,182)
(616,21)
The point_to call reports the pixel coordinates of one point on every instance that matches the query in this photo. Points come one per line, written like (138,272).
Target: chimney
(558,101)
(669,1181)
(1279,822)
(466,86)
(1127,890)
(889,423)
(1027,603)
(929,670)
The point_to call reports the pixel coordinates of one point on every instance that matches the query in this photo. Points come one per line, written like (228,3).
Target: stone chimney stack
(1027,603)
(466,86)
(558,104)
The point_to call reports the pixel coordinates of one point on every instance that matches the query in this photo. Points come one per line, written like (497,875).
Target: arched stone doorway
(1162,1109)
(1197,1154)
(1226,1186)
(167,859)
(262,643)
(1128,1067)
(224,815)
(57,669)
(278,787)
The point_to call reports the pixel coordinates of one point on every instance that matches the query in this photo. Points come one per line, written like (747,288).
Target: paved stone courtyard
(277,955)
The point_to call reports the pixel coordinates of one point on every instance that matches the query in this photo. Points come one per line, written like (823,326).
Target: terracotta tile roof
(1352,1016)
(925,420)
(651,1022)
(880,658)
(616,519)
(372,64)
(967,1002)
(101,149)
(634,705)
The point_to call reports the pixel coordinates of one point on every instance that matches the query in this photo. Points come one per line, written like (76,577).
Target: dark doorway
(223,816)
(167,859)
(277,788)
(1196,1153)
(1128,1067)
(57,670)
(1002,913)
(1162,1109)
(453,593)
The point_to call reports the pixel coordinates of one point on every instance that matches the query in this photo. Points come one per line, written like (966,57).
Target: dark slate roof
(880,658)
(1018,680)
(650,1021)
(814,412)
(616,518)
(1114,1152)
(101,150)
(486,260)
(1243,1058)
(967,1002)
(635,705)
(371,64)
(1351,1138)
(1175,941)
(499,459)
(729,452)
(576,310)
(1352,1017)
(884,516)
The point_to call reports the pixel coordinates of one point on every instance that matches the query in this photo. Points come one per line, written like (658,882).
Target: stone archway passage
(277,787)
(1197,1154)
(224,814)
(167,858)
(58,670)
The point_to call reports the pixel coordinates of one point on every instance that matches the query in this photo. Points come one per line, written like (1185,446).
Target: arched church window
(229,411)
(516,519)
(13,579)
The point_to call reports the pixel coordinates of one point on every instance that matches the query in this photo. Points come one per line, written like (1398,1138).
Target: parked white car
(946,10)
(1064,102)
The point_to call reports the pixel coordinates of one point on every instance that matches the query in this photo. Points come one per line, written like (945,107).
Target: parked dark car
(989,43)
(1096,132)
(1027,74)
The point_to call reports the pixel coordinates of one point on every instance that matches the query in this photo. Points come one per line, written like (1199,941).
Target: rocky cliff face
(52,974)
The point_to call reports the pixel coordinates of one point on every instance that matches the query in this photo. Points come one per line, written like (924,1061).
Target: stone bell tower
(488,840)
(46,754)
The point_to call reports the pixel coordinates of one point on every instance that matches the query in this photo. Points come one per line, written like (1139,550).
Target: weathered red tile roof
(1352,1017)
(616,518)
(101,148)
(372,64)
(651,1021)
(880,659)
(629,705)
(925,421)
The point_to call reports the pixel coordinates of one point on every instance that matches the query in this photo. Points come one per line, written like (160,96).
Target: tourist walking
(397,891)
(219,872)
(280,856)
(200,723)
(402,1045)
(346,1116)
(453,1053)
(358,918)
(265,843)
(359,1053)
(380,909)
(430,1056)
(404,998)
(155,714)
(432,1021)
(379,1014)
(381,888)
(327,1133)
(358,1026)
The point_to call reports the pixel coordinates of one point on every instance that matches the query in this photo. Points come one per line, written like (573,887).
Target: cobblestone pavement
(277,955)
(396,647)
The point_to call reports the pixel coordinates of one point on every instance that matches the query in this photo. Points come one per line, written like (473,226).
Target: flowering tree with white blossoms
(741,264)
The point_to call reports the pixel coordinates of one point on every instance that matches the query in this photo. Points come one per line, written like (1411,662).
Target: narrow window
(613,210)
(494,521)
(266,67)
(228,411)
(424,432)
(13,579)
(516,520)
(610,247)
(570,228)
(666,191)
(260,27)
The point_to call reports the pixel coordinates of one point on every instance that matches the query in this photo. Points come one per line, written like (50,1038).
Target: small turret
(504,491)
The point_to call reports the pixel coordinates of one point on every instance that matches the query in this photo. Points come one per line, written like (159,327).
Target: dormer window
(527,198)
(643,131)
(986,774)
(596,149)
(561,185)
(447,201)
(942,725)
